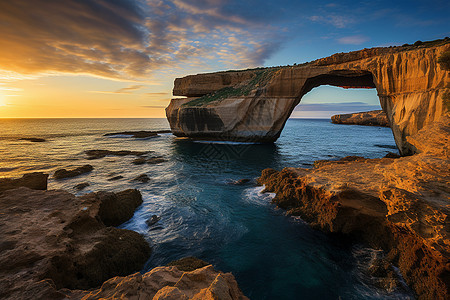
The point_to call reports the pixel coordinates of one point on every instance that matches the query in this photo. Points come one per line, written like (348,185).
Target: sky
(119,58)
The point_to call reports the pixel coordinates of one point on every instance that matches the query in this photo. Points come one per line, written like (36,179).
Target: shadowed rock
(153,220)
(115,178)
(63,173)
(187,264)
(96,154)
(35,181)
(81,186)
(399,205)
(142,178)
(138,134)
(52,240)
(33,140)
(253,105)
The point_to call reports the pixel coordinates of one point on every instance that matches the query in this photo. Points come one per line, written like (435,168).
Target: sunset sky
(118,58)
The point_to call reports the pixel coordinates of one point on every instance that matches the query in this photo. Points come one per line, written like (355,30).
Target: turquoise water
(273,256)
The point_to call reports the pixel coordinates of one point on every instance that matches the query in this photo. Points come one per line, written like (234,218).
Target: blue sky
(123,55)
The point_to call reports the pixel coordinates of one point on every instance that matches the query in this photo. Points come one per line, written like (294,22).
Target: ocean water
(234,227)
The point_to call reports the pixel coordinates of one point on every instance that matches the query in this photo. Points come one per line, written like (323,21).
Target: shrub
(418,43)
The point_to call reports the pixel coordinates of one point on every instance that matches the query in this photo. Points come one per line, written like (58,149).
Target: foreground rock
(51,240)
(35,181)
(254,105)
(399,205)
(138,134)
(369,118)
(96,154)
(168,283)
(63,173)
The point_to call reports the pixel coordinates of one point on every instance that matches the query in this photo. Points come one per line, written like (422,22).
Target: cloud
(337,21)
(353,40)
(130,89)
(129,39)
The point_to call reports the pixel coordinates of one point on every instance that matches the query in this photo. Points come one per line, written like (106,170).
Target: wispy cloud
(337,21)
(130,89)
(353,40)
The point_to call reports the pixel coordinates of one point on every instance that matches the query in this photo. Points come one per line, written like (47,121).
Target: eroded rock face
(253,105)
(368,118)
(35,181)
(399,205)
(168,283)
(51,240)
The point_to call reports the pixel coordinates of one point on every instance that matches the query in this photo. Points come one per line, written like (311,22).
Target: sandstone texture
(368,118)
(253,105)
(51,240)
(35,181)
(400,205)
(168,283)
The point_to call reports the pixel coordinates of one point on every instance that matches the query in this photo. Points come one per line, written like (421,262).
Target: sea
(202,213)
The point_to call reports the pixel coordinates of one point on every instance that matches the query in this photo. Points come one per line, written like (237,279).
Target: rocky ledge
(254,104)
(399,205)
(368,118)
(54,245)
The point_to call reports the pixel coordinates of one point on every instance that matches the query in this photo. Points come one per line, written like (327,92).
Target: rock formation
(368,118)
(399,205)
(54,245)
(51,240)
(64,173)
(168,283)
(253,105)
(35,181)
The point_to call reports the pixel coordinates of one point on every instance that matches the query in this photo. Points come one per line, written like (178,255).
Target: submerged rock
(96,154)
(115,178)
(142,178)
(240,181)
(398,205)
(187,264)
(156,160)
(33,140)
(153,220)
(140,161)
(81,186)
(138,134)
(35,181)
(52,240)
(63,173)
(369,118)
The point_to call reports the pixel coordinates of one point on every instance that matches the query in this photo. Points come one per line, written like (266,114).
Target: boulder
(35,181)
(63,173)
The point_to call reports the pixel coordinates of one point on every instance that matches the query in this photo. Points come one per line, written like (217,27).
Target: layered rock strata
(167,283)
(51,240)
(368,118)
(253,105)
(399,205)
(54,245)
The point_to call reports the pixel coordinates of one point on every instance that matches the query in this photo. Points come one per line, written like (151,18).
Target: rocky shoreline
(397,205)
(54,245)
(368,118)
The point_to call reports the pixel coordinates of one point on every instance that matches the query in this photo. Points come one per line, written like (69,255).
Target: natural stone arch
(253,105)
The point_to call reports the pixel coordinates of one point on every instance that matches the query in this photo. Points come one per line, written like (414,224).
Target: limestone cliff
(399,205)
(253,105)
(368,118)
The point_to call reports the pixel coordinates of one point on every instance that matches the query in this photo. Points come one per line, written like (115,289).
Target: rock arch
(253,105)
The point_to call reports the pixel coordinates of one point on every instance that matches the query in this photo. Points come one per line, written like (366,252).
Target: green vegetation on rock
(261,77)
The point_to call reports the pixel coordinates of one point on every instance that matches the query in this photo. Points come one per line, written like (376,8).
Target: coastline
(397,205)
